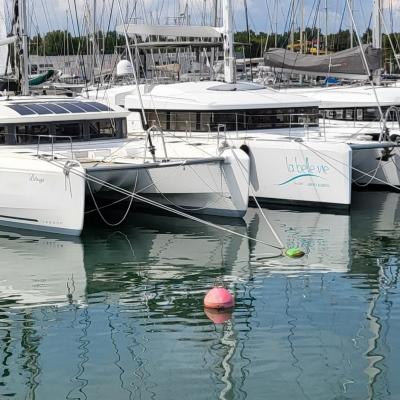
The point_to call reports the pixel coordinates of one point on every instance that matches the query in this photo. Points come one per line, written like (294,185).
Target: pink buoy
(219,298)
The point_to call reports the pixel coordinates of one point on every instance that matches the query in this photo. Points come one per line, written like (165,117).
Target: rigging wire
(153,203)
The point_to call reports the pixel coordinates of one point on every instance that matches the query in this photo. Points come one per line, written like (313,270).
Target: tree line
(60,42)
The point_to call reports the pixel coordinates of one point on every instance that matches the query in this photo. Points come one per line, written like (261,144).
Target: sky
(45,15)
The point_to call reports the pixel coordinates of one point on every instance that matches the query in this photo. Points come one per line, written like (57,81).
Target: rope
(101,214)
(346,165)
(274,232)
(153,203)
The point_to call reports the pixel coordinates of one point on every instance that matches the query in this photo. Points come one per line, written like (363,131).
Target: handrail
(385,130)
(52,142)
(15,136)
(156,128)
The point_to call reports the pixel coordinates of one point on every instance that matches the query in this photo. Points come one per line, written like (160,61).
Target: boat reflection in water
(40,270)
(134,321)
(324,237)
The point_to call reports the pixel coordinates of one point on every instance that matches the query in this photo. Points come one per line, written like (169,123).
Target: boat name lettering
(306,167)
(35,178)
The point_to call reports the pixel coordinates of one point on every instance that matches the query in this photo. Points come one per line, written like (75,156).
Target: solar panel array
(60,107)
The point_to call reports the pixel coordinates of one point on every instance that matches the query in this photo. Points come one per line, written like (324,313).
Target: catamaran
(53,152)
(291,161)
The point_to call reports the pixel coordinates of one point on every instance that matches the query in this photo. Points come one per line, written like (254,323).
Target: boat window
(360,114)
(2,135)
(183,121)
(330,114)
(61,132)
(339,114)
(349,114)
(371,114)
(205,120)
(253,119)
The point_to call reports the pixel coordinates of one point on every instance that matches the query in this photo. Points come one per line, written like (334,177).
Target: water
(118,314)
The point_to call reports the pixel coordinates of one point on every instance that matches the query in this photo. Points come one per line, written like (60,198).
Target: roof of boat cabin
(24,110)
(206,96)
(351,96)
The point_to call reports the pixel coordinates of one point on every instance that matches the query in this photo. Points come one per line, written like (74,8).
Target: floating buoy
(294,252)
(219,298)
(218,316)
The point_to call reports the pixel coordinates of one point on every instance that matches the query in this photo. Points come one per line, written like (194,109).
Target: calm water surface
(119,315)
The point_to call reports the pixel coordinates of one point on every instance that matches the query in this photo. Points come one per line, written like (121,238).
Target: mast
(276,22)
(229,57)
(351,25)
(214,23)
(292,24)
(23,58)
(326,26)
(318,30)
(377,25)
(302,29)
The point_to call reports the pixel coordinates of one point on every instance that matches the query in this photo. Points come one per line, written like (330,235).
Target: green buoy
(294,252)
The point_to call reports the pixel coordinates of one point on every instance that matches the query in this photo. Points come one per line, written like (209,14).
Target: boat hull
(210,186)
(311,173)
(40,196)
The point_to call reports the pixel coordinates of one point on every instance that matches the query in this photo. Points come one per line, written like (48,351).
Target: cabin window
(2,135)
(330,114)
(235,120)
(349,114)
(360,114)
(371,114)
(157,119)
(339,114)
(61,132)
(204,122)
(183,121)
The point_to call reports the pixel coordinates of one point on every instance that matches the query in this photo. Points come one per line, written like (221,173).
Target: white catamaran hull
(214,186)
(36,195)
(313,173)
(374,162)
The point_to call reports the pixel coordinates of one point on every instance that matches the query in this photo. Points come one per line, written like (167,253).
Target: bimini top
(54,109)
(213,96)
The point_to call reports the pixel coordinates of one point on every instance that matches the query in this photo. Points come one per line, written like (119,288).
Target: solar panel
(56,109)
(99,106)
(60,107)
(88,107)
(71,107)
(39,108)
(21,109)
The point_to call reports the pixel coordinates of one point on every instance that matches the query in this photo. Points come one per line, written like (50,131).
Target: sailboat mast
(302,29)
(23,58)
(276,23)
(229,57)
(377,25)
(326,26)
(351,25)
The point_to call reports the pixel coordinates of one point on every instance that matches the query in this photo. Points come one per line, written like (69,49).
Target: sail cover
(346,63)
(3,35)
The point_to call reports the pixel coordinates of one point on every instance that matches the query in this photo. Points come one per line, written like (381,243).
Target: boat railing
(391,112)
(52,138)
(156,128)
(221,128)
